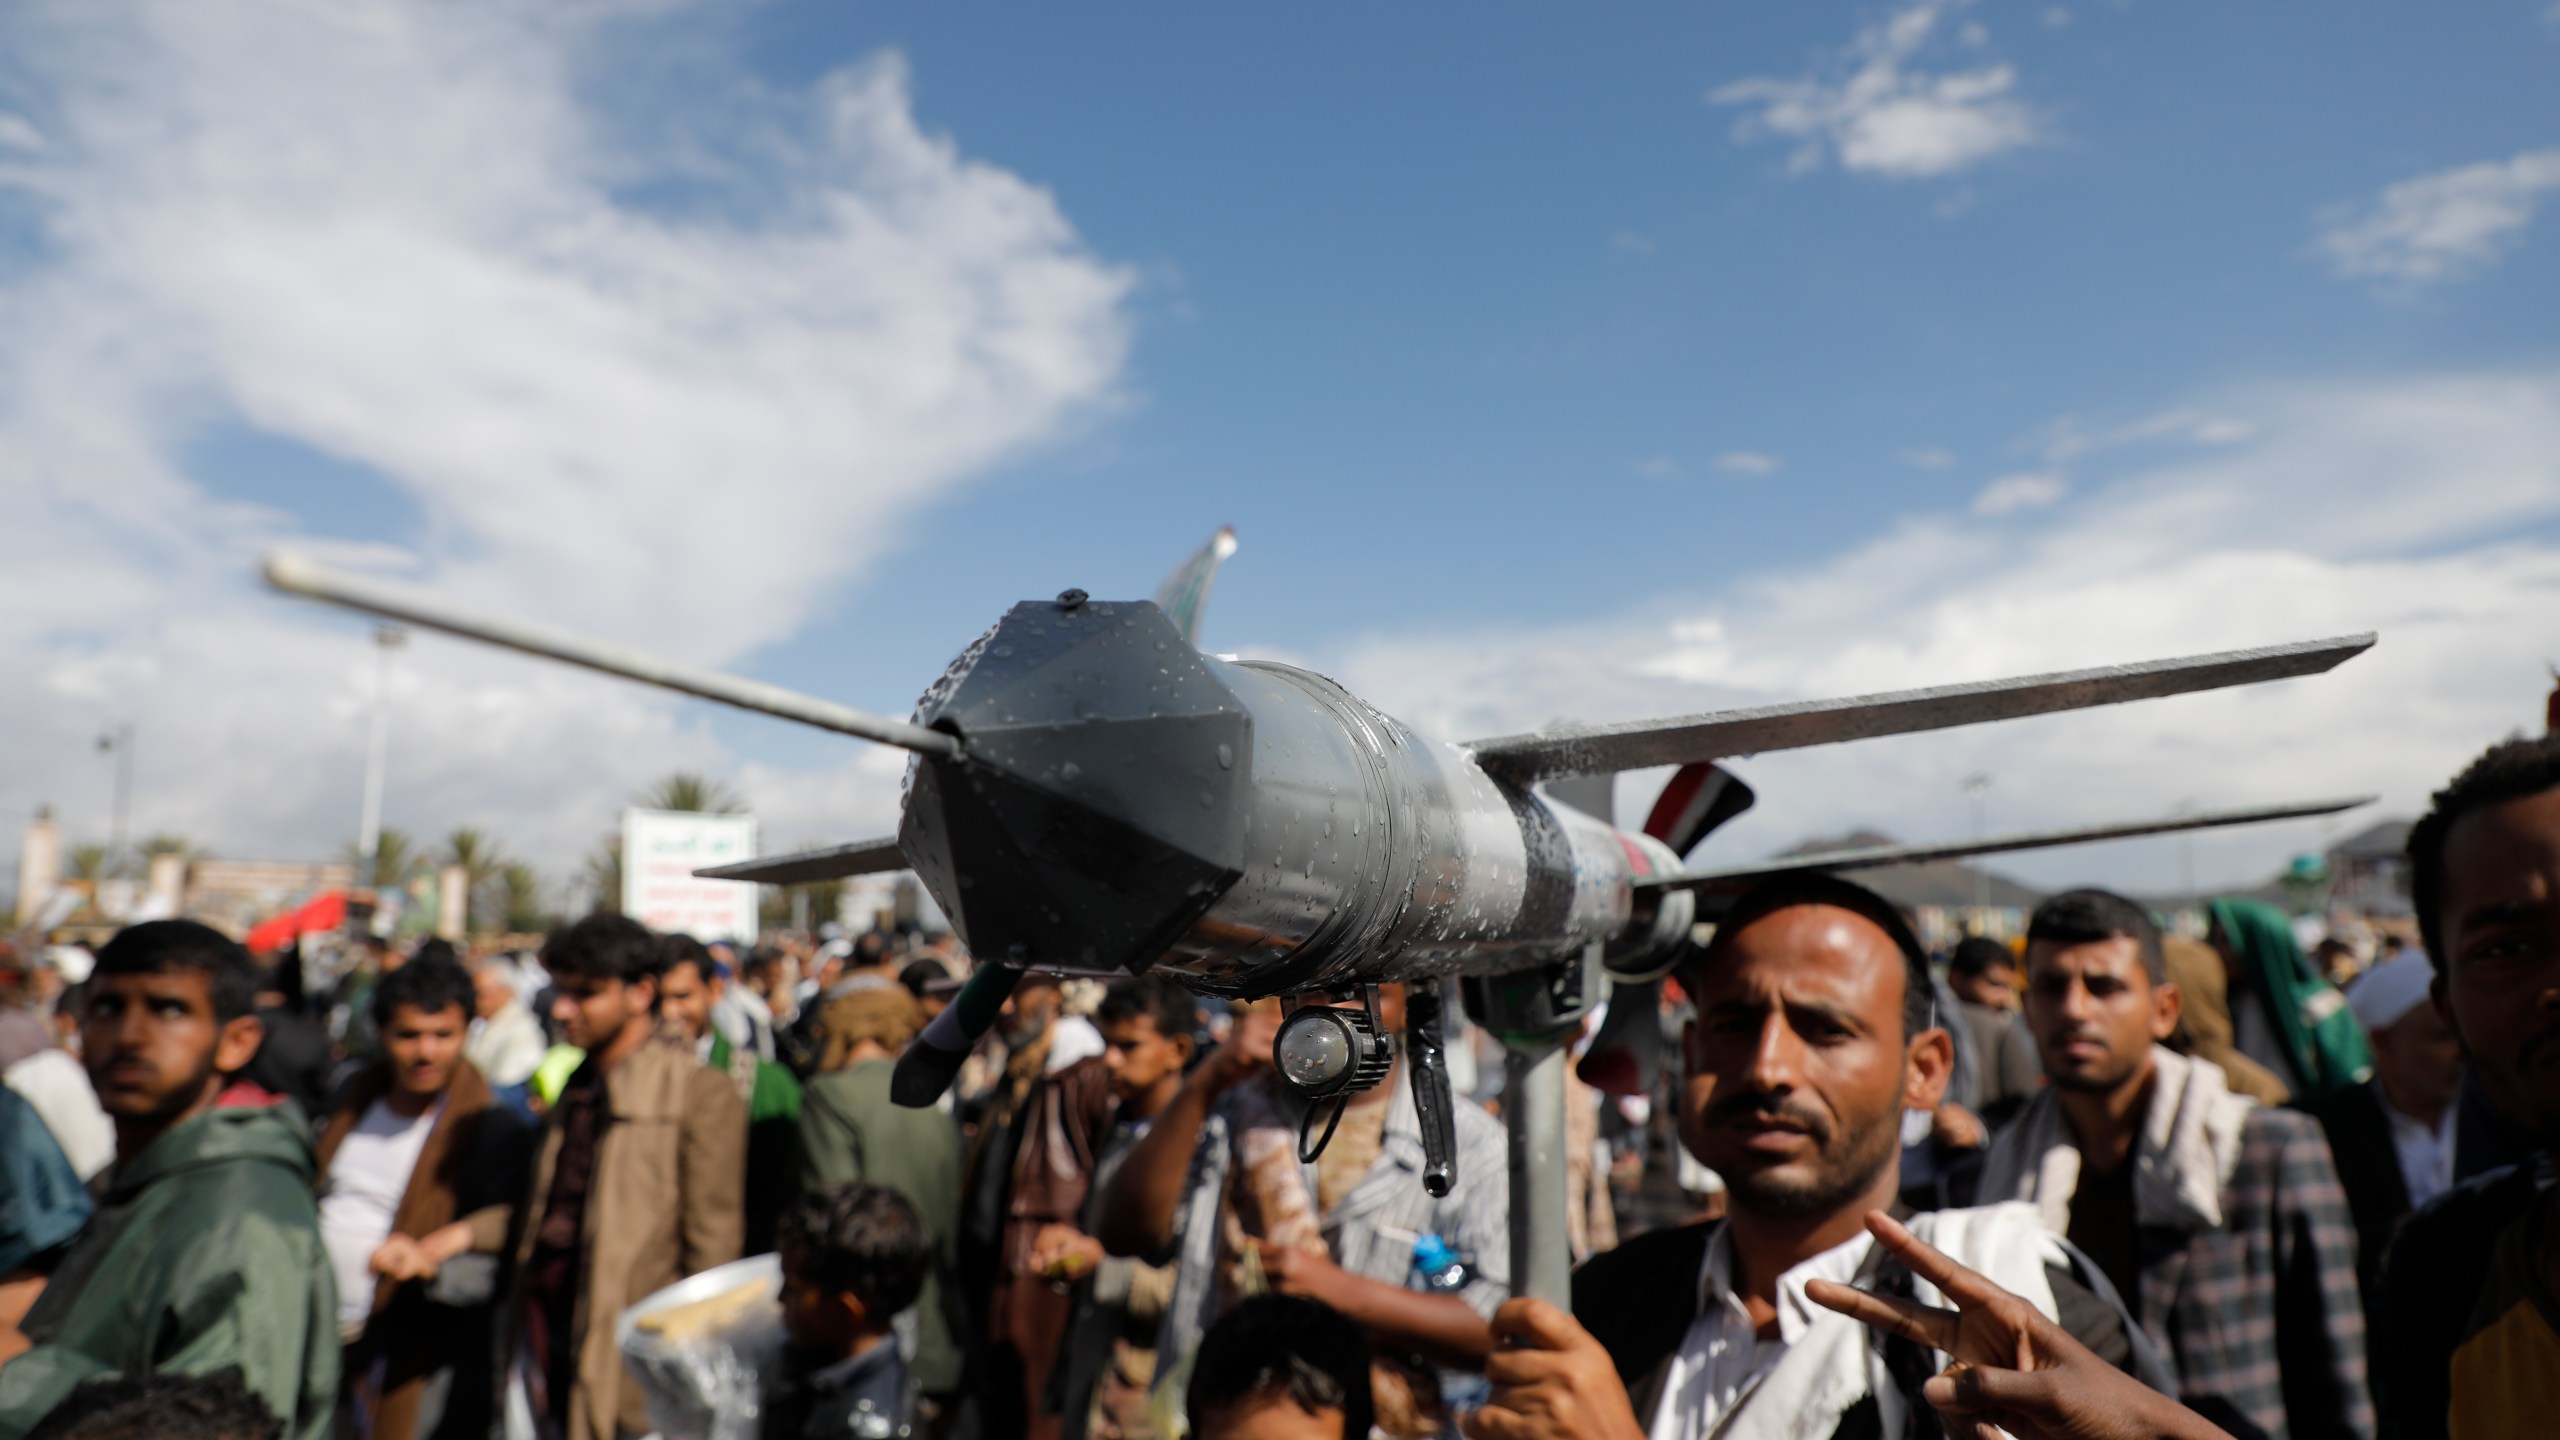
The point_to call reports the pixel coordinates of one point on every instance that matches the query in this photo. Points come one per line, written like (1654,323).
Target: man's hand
(400,1258)
(403,1257)
(2014,1369)
(1062,1252)
(1552,1382)
(1247,1051)
(1309,1273)
(1957,1128)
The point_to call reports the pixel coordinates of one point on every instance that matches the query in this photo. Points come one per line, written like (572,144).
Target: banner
(660,851)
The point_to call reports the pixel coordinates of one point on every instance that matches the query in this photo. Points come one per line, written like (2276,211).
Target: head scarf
(2320,1033)
(2204,1021)
(885,1015)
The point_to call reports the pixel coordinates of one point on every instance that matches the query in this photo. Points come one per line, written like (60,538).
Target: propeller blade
(1598,749)
(1185,592)
(862,857)
(1871,856)
(295,575)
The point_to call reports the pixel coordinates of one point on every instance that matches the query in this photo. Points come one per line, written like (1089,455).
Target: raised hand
(2014,1369)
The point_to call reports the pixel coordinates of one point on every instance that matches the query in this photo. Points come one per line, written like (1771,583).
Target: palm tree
(522,898)
(604,876)
(685,790)
(395,862)
(89,865)
(154,846)
(480,861)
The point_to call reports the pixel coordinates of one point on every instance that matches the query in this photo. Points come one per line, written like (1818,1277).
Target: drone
(1091,794)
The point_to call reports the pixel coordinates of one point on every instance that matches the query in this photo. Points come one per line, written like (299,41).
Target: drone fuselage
(1122,802)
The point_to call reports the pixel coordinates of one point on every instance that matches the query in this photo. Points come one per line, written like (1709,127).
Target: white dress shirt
(1722,1358)
(2425,1151)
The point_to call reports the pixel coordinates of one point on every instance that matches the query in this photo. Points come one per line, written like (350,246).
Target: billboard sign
(660,851)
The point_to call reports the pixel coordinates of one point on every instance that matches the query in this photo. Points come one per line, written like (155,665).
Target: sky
(1551,362)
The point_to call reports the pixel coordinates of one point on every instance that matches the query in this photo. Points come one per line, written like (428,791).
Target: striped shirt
(1372,1231)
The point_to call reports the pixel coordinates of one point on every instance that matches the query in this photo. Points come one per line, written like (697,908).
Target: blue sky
(1549,362)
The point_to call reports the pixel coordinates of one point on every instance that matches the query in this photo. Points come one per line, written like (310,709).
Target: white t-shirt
(366,1180)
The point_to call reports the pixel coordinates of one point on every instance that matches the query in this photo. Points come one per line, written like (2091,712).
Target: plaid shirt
(2261,1316)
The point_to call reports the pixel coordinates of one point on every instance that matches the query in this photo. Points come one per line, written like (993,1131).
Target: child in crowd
(1278,1367)
(853,1256)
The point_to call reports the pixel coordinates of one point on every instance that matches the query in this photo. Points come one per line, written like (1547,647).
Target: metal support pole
(1533,1115)
(1536,1012)
(386,638)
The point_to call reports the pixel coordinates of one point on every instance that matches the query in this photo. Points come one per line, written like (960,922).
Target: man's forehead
(2504,854)
(1811,944)
(194,984)
(2102,956)
(1130,1029)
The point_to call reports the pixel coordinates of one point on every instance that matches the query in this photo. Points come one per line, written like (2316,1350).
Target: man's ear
(238,1044)
(1927,1063)
(857,1315)
(2166,1005)
(642,993)
(2443,1002)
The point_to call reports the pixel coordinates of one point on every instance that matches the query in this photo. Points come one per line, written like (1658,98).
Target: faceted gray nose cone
(1096,811)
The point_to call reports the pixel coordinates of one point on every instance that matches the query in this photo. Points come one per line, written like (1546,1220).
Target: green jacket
(204,1254)
(2321,1035)
(849,1130)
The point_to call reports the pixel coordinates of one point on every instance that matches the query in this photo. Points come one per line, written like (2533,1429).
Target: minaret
(39,865)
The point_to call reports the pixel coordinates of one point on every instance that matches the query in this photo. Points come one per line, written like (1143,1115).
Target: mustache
(1747,1104)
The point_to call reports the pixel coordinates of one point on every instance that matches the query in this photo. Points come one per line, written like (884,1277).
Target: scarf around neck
(2184,1155)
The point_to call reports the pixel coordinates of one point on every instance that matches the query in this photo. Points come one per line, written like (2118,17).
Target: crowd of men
(2109,1182)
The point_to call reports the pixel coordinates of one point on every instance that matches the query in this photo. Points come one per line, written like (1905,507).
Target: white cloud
(1659,467)
(2069,438)
(2011,494)
(1747,462)
(2442,226)
(1928,457)
(1873,110)
(1631,243)
(2424,508)
(400,236)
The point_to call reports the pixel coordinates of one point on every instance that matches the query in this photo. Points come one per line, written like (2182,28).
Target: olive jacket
(204,1255)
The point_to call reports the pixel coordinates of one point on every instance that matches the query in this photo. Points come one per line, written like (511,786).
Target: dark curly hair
(157,947)
(2509,770)
(161,1407)
(861,1240)
(605,947)
(1283,1346)
(2089,917)
(432,983)
(1157,997)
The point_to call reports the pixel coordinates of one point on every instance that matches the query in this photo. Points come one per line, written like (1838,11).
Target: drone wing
(1867,857)
(1603,749)
(862,857)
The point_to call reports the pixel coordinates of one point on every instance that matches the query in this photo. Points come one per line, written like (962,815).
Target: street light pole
(119,742)
(1977,785)
(386,638)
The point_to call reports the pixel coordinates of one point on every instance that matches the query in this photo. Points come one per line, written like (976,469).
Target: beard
(1845,1167)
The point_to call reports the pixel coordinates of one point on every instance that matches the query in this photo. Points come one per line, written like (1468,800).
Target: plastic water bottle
(1441,1267)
